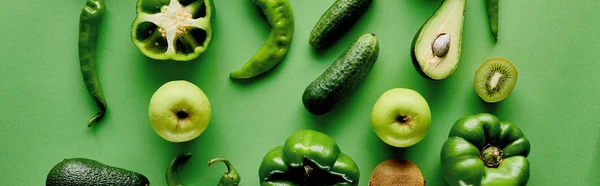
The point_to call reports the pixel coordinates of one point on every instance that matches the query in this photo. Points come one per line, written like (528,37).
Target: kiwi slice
(396,173)
(495,79)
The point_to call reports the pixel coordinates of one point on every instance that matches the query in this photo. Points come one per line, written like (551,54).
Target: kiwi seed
(397,173)
(495,79)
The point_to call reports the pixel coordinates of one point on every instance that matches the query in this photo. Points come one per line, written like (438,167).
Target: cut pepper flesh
(180,30)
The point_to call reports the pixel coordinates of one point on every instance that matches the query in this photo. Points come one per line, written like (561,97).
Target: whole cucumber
(343,76)
(337,19)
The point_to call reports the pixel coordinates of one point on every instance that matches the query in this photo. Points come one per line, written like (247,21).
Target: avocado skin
(348,71)
(82,171)
(413,56)
(336,20)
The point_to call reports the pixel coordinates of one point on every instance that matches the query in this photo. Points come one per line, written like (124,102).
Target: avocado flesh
(449,19)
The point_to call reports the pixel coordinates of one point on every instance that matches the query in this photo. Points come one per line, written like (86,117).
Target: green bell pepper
(481,150)
(308,158)
(172,29)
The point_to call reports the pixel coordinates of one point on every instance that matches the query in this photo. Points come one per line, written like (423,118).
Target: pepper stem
(491,156)
(231,177)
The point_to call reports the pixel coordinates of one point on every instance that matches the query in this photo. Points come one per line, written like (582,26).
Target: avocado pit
(441,45)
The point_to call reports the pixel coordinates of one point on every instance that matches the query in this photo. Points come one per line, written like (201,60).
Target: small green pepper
(281,17)
(308,158)
(230,178)
(481,150)
(89,22)
(492,9)
(179,30)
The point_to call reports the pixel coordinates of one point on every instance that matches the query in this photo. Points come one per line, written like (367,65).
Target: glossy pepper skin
(481,150)
(280,16)
(492,9)
(308,158)
(89,25)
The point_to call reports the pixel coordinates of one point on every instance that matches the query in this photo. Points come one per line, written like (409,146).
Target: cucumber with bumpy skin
(337,19)
(343,76)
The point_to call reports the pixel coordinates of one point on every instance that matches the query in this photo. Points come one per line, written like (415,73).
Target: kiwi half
(397,173)
(495,79)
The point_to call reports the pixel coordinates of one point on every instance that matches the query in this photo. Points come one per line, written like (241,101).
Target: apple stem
(403,119)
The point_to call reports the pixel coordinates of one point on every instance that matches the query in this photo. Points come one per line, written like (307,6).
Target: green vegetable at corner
(336,20)
(492,9)
(230,178)
(281,17)
(481,150)
(343,76)
(89,22)
(308,158)
(83,171)
(172,29)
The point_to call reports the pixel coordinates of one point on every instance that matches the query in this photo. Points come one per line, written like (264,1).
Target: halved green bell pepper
(481,150)
(308,158)
(172,29)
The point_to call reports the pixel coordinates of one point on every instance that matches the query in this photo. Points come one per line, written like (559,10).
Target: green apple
(179,111)
(401,117)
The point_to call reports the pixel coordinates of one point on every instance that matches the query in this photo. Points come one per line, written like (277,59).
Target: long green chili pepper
(230,178)
(281,17)
(492,9)
(90,18)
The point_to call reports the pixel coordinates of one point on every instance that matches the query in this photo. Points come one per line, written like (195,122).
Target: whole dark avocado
(82,171)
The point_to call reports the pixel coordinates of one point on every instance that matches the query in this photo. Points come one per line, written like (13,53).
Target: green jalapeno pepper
(308,158)
(230,178)
(492,9)
(281,17)
(89,22)
(481,150)
(179,30)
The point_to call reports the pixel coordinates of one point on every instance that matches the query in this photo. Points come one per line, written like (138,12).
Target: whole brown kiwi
(396,173)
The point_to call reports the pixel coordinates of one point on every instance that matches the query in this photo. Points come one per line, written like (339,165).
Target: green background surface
(45,105)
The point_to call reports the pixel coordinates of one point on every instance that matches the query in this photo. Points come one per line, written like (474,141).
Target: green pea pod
(492,9)
(230,178)
(89,21)
(281,17)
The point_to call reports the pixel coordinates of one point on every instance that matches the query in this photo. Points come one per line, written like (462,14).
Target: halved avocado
(435,49)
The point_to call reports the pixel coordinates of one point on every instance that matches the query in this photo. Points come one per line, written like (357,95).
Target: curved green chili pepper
(281,17)
(90,18)
(230,178)
(492,9)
